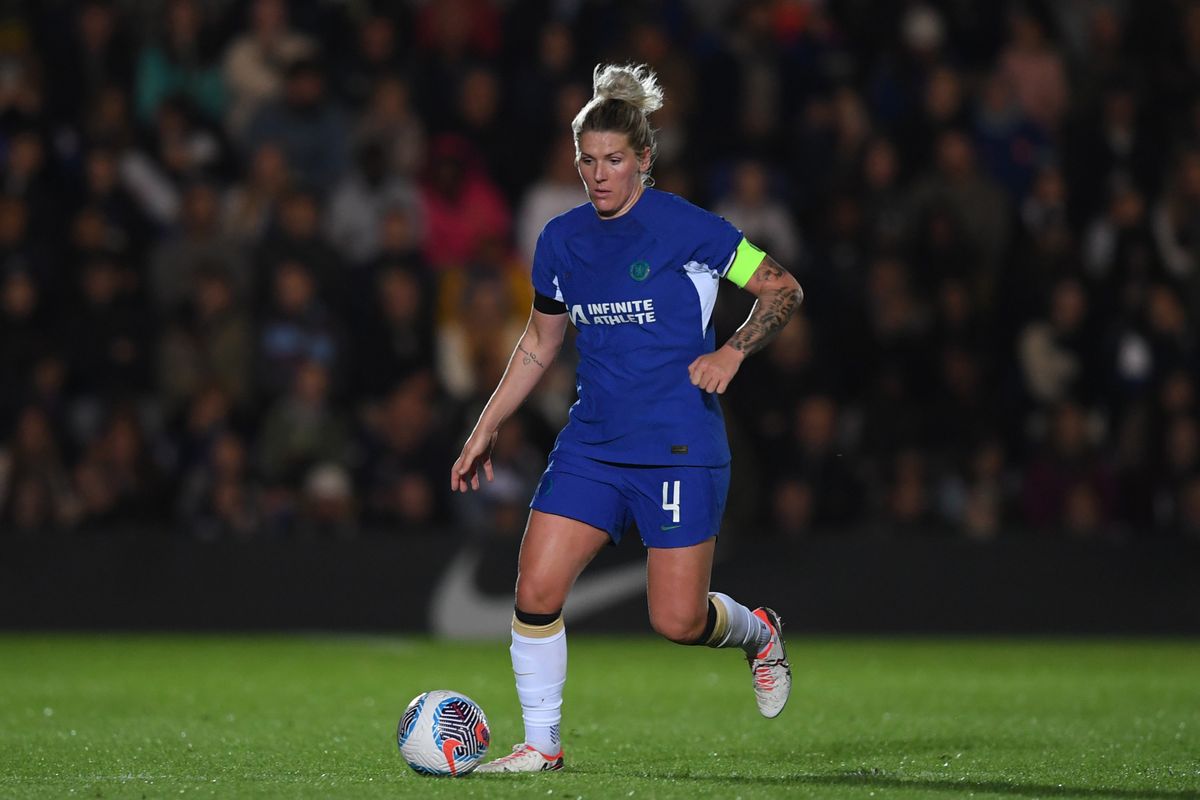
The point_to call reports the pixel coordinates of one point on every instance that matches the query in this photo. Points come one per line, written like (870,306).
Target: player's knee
(538,595)
(681,628)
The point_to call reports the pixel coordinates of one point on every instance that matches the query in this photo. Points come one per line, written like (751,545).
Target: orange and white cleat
(770,668)
(524,758)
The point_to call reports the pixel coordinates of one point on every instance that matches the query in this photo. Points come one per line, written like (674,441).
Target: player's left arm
(779,295)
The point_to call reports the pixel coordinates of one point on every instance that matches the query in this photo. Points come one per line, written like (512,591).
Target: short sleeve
(545,267)
(717,242)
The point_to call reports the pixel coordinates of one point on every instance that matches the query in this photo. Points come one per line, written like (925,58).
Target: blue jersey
(640,290)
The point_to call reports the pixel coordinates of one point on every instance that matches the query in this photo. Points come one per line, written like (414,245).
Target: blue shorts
(672,506)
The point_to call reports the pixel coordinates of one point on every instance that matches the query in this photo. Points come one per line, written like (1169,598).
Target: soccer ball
(443,733)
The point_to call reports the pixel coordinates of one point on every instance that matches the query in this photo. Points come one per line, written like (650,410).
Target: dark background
(261,264)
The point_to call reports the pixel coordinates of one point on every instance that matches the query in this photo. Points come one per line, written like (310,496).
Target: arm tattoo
(769,271)
(770,313)
(530,357)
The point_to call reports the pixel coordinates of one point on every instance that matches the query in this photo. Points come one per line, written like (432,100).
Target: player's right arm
(534,353)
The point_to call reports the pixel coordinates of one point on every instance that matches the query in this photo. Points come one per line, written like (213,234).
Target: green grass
(301,717)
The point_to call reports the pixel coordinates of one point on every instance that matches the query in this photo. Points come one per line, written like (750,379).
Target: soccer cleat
(524,758)
(770,668)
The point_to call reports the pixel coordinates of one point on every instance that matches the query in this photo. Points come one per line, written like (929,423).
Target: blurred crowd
(262,262)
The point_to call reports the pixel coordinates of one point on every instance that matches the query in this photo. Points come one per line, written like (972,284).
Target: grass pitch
(307,717)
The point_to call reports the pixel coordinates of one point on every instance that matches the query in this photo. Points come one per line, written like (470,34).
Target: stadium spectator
(180,151)
(1068,486)
(211,341)
(28,178)
(192,432)
(394,337)
(301,430)
(463,207)
(299,329)
(182,60)
(473,346)
(753,207)
(477,118)
(1054,351)
(327,505)
(106,335)
(117,481)
(308,126)
(1036,69)
(200,244)
(976,205)
(1114,148)
(558,190)
(251,206)
(822,491)
(218,499)
(884,205)
(554,64)
(360,202)
(377,55)
(1176,218)
(908,503)
(1011,147)
(976,495)
(451,38)
(255,62)
(126,229)
(299,236)
(96,56)
(26,329)
(943,107)
(108,120)
(402,439)
(36,495)
(390,121)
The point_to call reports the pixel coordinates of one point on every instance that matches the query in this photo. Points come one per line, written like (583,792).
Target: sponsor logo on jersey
(638,312)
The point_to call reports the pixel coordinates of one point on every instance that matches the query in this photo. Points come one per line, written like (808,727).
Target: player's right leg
(554,552)
(680,536)
(684,611)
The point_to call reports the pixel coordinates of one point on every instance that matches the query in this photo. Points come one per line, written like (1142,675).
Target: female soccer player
(636,271)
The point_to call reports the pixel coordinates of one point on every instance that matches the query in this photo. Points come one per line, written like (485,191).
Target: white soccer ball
(443,733)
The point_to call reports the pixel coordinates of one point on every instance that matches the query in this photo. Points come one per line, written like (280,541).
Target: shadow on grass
(957,787)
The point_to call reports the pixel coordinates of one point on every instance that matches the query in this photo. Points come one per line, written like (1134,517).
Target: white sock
(540,667)
(737,626)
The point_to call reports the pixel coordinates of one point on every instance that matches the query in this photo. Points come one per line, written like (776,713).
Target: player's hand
(476,452)
(712,372)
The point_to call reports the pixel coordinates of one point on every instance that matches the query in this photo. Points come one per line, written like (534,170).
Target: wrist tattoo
(769,314)
(528,357)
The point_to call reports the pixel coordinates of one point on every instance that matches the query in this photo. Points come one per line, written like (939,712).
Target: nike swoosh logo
(668,527)
(458,609)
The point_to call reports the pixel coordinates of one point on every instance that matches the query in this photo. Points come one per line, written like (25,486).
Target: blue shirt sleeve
(716,240)
(545,266)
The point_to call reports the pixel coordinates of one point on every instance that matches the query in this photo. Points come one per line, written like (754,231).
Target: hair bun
(636,84)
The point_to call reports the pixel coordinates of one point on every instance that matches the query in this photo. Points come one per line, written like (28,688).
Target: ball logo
(639,270)
(460,732)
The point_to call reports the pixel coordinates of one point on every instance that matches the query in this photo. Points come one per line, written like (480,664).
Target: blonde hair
(623,97)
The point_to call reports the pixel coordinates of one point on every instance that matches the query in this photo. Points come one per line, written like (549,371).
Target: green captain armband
(745,260)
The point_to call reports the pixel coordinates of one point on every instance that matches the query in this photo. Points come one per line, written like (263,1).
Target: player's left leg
(684,611)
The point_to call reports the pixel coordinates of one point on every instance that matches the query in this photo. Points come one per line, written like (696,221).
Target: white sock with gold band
(539,659)
(736,625)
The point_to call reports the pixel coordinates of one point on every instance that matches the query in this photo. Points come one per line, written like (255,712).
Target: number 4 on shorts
(673,505)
